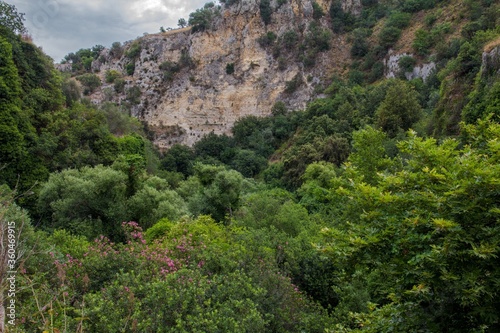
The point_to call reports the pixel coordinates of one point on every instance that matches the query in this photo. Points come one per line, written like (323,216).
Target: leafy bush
(202,18)
(119,85)
(116,50)
(317,11)
(290,39)
(398,20)
(267,39)
(341,21)
(112,75)
(169,69)
(265,11)
(134,95)
(134,50)
(292,85)
(130,68)
(406,64)
(412,6)
(389,36)
(230,68)
(90,83)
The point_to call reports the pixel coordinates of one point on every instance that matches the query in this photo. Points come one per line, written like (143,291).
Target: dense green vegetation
(375,209)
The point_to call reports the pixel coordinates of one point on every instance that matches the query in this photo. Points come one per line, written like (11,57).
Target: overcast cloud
(64,26)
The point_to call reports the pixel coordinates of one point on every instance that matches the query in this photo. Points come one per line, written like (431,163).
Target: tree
(11,18)
(13,124)
(423,241)
(182,23)
(88,202)
(399,110)
(90,82)
(220,195)
(265,11)
(202,18)
(179,158)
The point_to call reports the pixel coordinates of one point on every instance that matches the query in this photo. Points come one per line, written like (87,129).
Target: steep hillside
(224,73)
(240,58)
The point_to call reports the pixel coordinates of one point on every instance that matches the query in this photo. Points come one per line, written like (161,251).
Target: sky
(64,26)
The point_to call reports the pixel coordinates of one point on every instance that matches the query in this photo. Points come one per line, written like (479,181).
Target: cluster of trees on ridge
(373,210)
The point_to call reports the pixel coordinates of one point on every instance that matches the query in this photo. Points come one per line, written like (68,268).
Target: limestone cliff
(202,97)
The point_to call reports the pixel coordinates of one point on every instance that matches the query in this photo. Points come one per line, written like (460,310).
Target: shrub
(265,11)
(398,20)
(290,39)
(230,68)
(317,11)
(341,21)
(119,85)
(112,75)
(412,6)
(267,39)
(169,69)
(422,42)
(389,36)
(406,64)
(130,68)
(134,95)
(294,84)
(116,50)
(90,83)
(134,51)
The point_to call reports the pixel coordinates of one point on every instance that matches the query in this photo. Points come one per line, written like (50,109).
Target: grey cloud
(63,26)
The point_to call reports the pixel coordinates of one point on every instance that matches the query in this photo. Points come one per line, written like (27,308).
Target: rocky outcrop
(491,61)
(392,67)
(225,73)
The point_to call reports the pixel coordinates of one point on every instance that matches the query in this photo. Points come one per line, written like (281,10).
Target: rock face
(392,68)
(204,94)
(491,61)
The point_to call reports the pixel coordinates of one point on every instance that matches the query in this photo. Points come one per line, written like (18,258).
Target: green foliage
(389,36)
(426,259)
(398,20)
(220,196)
(229,3)
(182,23)
(341,21)
(130,68)
(317,11)
(406,64)
(134,95)
(90,83)
(112,75)
(71,92)
(399,110)
(11,18)
(248,163)
(202,18)
(360,45)
(15,127)
(88,202)
(155,201)
(178,158)
(230,68)
(116,50)
(290,39)
(412,6)
(119,85)
(265,11)
(134,50)
(267,39)
(292,85)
